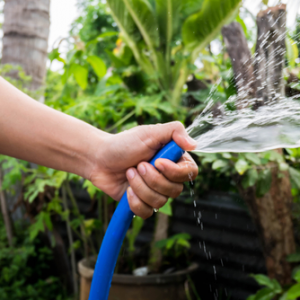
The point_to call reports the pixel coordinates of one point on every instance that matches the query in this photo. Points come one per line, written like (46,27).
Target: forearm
(34,132)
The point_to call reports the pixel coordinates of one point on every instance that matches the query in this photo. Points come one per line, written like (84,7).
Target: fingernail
(130,174)
(131,192)
(142,169)
(159,166)
(191,141)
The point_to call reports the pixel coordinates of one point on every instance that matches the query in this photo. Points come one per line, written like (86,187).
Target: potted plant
(166,275)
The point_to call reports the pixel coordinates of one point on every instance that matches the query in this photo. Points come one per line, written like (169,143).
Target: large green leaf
(264,182)
(144,17)
(292,52)
(241,166)
(168,12)
(98,65)
(167,208)
(202,27)
(129,31)
(265,294)
(190,7)
(168,18)
(137,224)
(123,18)
(250,178)
(80,74)
(295,177)
(294,292)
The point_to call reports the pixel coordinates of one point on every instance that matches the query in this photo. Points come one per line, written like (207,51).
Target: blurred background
(234,232)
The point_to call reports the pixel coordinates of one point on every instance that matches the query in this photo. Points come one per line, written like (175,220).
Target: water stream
(276,125)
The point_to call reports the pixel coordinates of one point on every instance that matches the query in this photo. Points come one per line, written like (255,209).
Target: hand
(122,160)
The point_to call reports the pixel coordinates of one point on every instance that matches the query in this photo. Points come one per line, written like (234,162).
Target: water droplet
(215,272)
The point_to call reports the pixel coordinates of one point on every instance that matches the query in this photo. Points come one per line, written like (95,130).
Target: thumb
(164,133)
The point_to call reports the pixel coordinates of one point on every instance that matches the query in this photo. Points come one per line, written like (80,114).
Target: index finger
(185,170)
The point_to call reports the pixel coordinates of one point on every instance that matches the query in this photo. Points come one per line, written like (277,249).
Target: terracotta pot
(128,287)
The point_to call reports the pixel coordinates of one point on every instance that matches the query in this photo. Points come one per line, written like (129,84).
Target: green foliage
(200,21)
(265,2)
(132,233)
(25,270)
(202,27)
(175,245)
(22,82)
(167,208)
(98,65)
(292,52)
(254,169)
(273,290)
(13,172)
(41,219)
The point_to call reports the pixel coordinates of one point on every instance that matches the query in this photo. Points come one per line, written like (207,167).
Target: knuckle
(137,185)
(154,180)
(173,175)
(135,206)
(160,202)
(177,191)
(178,125)
(147,214)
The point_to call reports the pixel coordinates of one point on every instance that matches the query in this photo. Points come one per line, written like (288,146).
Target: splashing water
(276,125)
(269,120)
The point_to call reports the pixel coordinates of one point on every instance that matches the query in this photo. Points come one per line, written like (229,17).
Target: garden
(234,232)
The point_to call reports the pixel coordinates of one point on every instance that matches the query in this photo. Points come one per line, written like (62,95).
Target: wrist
(96,150)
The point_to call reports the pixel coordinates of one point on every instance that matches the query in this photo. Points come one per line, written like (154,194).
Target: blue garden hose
(116,232)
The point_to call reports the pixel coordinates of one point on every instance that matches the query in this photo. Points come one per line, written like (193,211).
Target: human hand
(122,160)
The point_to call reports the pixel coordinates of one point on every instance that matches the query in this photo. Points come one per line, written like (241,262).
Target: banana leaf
(202,27)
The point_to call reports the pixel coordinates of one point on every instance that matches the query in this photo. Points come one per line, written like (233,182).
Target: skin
(37,133)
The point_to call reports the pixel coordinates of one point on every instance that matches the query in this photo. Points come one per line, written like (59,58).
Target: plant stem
(5,214)
(193,287)
(120,122)
(100,217)
(70,238)
(160,233)
(105,213)
(77,212)
(177,92)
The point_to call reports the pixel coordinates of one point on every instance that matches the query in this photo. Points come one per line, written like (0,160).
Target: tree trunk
(272,217)
(238,50)
(269,56)
(25,37)
(272,212)
(160,233)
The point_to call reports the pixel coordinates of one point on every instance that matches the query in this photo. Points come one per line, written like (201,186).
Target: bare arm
(37,133)
(34,132)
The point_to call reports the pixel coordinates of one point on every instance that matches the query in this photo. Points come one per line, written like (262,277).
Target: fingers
(180,136)
(151,189)
(185,170)
(137,206)
(144,194)
(158,182)
(155,136)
